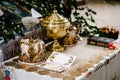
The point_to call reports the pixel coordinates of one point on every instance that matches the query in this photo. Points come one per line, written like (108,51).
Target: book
(99,41)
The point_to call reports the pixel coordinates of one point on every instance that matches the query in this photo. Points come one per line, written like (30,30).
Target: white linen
(106,69)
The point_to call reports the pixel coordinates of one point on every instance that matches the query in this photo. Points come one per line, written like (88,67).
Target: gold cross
(54,7)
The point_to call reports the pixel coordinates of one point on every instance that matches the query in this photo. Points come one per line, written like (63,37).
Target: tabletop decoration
(56,26)
(7,75)
(100,41)
(29,22)
(58,62)
(109,32)
(111,46)
(71,38)
(32,51)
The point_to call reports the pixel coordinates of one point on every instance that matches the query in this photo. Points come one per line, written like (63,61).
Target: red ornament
(7,78)
(112,47)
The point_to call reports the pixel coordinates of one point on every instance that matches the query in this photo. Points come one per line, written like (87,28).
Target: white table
(107,67)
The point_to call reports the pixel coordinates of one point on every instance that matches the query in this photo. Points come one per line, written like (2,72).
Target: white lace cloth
(105,69)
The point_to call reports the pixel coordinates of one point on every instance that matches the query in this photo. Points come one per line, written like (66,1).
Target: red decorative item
(110,44)
(7,78)
(112,47)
